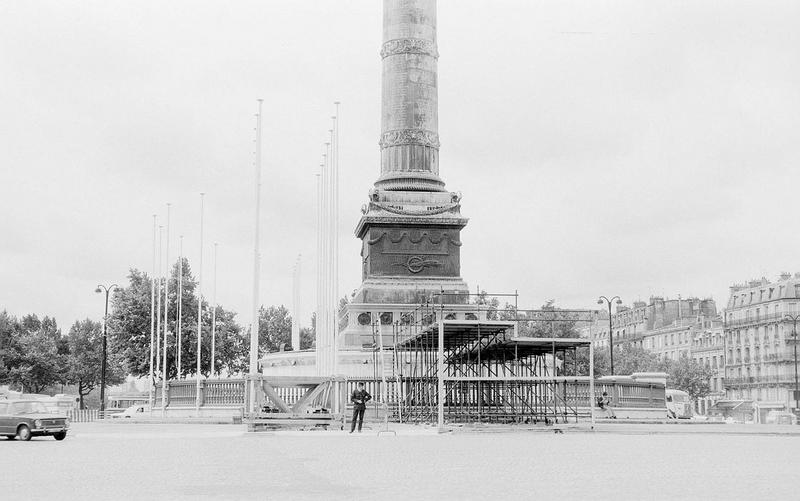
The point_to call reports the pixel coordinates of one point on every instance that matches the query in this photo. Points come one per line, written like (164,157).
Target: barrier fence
(83,416)
(231,393)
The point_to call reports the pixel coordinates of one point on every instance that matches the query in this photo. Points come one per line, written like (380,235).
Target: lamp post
(99,289)
(794,319)
(610,332)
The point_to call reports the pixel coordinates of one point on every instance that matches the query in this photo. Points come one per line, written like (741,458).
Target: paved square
(150,461)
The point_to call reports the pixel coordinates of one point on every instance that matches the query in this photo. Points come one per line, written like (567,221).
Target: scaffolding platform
(489,374)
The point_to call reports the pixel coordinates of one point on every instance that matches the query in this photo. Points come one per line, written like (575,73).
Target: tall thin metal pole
(180,307)
(610,339)
(440,368)
(199,310)
(256,266)
(103,363)
(335,238)
(318,285)
(214,314)
(794,339)
(610,327)
(592,396)
(296,305)
(158,298)
(318,319)
(100,289)
(166,319)
(327,256)
(153,310)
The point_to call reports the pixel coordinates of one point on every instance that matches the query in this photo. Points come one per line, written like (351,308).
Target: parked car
(138,410)
(30,418)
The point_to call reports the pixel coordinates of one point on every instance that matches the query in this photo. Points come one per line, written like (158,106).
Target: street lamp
(99,289)
(794,342)
(610,332)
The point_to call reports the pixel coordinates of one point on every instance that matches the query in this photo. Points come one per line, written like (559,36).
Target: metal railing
(83,416)
(760,319)
(231,393)
(779,379)
(213,393)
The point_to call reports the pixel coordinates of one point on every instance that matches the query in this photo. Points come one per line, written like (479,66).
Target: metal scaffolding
(490,373)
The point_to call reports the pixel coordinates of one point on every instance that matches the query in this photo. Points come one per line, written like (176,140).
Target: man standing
(359,398)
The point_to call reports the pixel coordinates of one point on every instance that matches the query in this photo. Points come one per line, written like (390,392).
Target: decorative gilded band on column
(409,46)
(400,137)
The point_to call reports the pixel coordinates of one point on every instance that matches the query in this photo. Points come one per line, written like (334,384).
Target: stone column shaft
(409,107)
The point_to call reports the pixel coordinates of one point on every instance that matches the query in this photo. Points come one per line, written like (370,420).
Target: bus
(120,402)
(679,406)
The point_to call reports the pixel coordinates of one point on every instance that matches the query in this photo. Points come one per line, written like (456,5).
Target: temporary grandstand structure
(485,371)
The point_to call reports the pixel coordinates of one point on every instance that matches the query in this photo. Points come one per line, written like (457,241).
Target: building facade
(671,328)
(708,348)
(760,363)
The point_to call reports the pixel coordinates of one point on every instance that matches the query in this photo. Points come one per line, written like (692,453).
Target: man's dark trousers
(358,415)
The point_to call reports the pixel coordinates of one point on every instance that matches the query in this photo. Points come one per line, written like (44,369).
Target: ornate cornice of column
(409,46)
(400,137)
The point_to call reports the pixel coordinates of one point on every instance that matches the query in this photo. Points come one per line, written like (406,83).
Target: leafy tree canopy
(84,363)
(129,328)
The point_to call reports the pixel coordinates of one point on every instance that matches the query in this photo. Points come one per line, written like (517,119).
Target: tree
(601,363)
(487,304)
(129,324)
(84,360)
(629,359)
(232,347)
(688,375)
(9,346)
(34,353)
(274,329)
(307,338)
(308,335)
(129,328)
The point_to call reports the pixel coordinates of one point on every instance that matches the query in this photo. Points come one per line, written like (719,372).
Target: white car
(139,410)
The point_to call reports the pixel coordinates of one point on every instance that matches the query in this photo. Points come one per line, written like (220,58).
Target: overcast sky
(621,148)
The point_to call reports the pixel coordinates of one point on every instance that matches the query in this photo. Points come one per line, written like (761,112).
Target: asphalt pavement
(615,461)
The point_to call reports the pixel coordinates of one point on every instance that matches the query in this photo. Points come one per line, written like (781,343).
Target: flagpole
(199,310)
(326,174)
(158,298)
(296,305)
(152,318)
(166,321)
(180,306)
(256,267)
(331,299)
(318,284)
(214,315)
(335,237)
